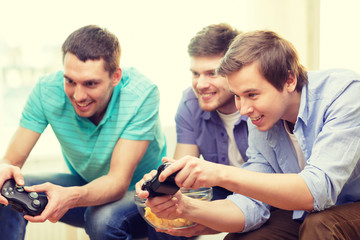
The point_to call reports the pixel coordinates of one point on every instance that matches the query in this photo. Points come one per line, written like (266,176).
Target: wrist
(77,196)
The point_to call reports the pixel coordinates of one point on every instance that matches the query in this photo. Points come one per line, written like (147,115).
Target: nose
(202,82)
(243,106)
(79,93)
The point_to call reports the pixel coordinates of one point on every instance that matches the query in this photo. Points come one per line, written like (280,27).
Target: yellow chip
(166,223)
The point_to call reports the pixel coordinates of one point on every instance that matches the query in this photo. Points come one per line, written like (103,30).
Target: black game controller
(157,188)
(27,203)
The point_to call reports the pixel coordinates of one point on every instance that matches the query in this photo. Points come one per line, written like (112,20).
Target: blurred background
(154,35)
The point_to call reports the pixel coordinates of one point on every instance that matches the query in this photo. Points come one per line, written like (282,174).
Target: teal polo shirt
(132,113)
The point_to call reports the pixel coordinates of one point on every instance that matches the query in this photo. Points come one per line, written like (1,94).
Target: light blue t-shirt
(328,132)
(132,113)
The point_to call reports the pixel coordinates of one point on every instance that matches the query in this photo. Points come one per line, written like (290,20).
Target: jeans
(116,220)
(218,193)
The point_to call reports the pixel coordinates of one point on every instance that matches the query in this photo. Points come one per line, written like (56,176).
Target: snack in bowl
(179,223)
(163,223)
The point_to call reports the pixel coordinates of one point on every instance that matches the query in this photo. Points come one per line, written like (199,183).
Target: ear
(291,82)
(116,77)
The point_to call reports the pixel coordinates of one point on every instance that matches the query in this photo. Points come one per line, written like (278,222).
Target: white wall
(153,34)
(154,37)
(340,35)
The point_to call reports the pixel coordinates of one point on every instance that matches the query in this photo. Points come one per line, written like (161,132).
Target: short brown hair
(212,40)
(92,42)
(276,56)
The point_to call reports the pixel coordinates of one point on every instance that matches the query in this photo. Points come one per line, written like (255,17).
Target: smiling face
(211,89)
(88,86)
(261,101)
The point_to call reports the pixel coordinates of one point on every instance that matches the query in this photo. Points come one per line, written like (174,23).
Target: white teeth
(206,94)
(82,105)
(255,119)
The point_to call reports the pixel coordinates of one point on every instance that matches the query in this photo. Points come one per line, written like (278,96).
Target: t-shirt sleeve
(143,123)
(184,119)
(33,117)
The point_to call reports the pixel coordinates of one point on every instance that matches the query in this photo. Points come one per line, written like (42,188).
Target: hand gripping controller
(27,203)
(157,188)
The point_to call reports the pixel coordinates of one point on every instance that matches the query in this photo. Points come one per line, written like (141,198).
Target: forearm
(285,191)
(220,215)
(99,191)
(113,186)
(20,147)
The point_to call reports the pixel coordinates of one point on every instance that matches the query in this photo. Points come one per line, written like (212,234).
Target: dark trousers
(336,223)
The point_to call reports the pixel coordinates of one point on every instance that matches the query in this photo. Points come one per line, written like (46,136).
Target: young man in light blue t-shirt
(106,120)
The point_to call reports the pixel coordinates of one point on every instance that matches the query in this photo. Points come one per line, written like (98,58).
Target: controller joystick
(157,188)
(27,203)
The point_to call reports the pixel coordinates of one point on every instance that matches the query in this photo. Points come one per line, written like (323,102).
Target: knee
(97,221)
(316,226)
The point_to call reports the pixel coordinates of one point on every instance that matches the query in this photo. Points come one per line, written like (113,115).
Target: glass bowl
(179,223)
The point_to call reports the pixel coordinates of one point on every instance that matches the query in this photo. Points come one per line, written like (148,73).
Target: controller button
(20,189)
(10,189)
(36,203)
(33,195)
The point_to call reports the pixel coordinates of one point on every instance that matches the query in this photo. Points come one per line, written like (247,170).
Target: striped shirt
(132,113)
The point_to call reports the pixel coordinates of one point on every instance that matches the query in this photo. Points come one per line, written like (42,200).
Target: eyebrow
(206,71)
(250,90)
(244,92)
(88,80)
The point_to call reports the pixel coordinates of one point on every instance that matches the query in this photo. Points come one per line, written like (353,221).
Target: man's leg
(338,222)
(280,226)
(13,224)
(116,220)
(153,235)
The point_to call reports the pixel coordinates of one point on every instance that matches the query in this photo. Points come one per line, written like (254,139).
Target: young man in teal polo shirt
(106,120)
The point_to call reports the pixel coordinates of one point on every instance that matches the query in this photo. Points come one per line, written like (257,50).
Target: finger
(138,187)
(3,200)
(168,159)
(149,175)
(186,232)
(38,188)
(172,168)
(157,201)
(143,194)
(163,206)
(19,179)
(42,217)
(189,182)
(34,219)
(53,220)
